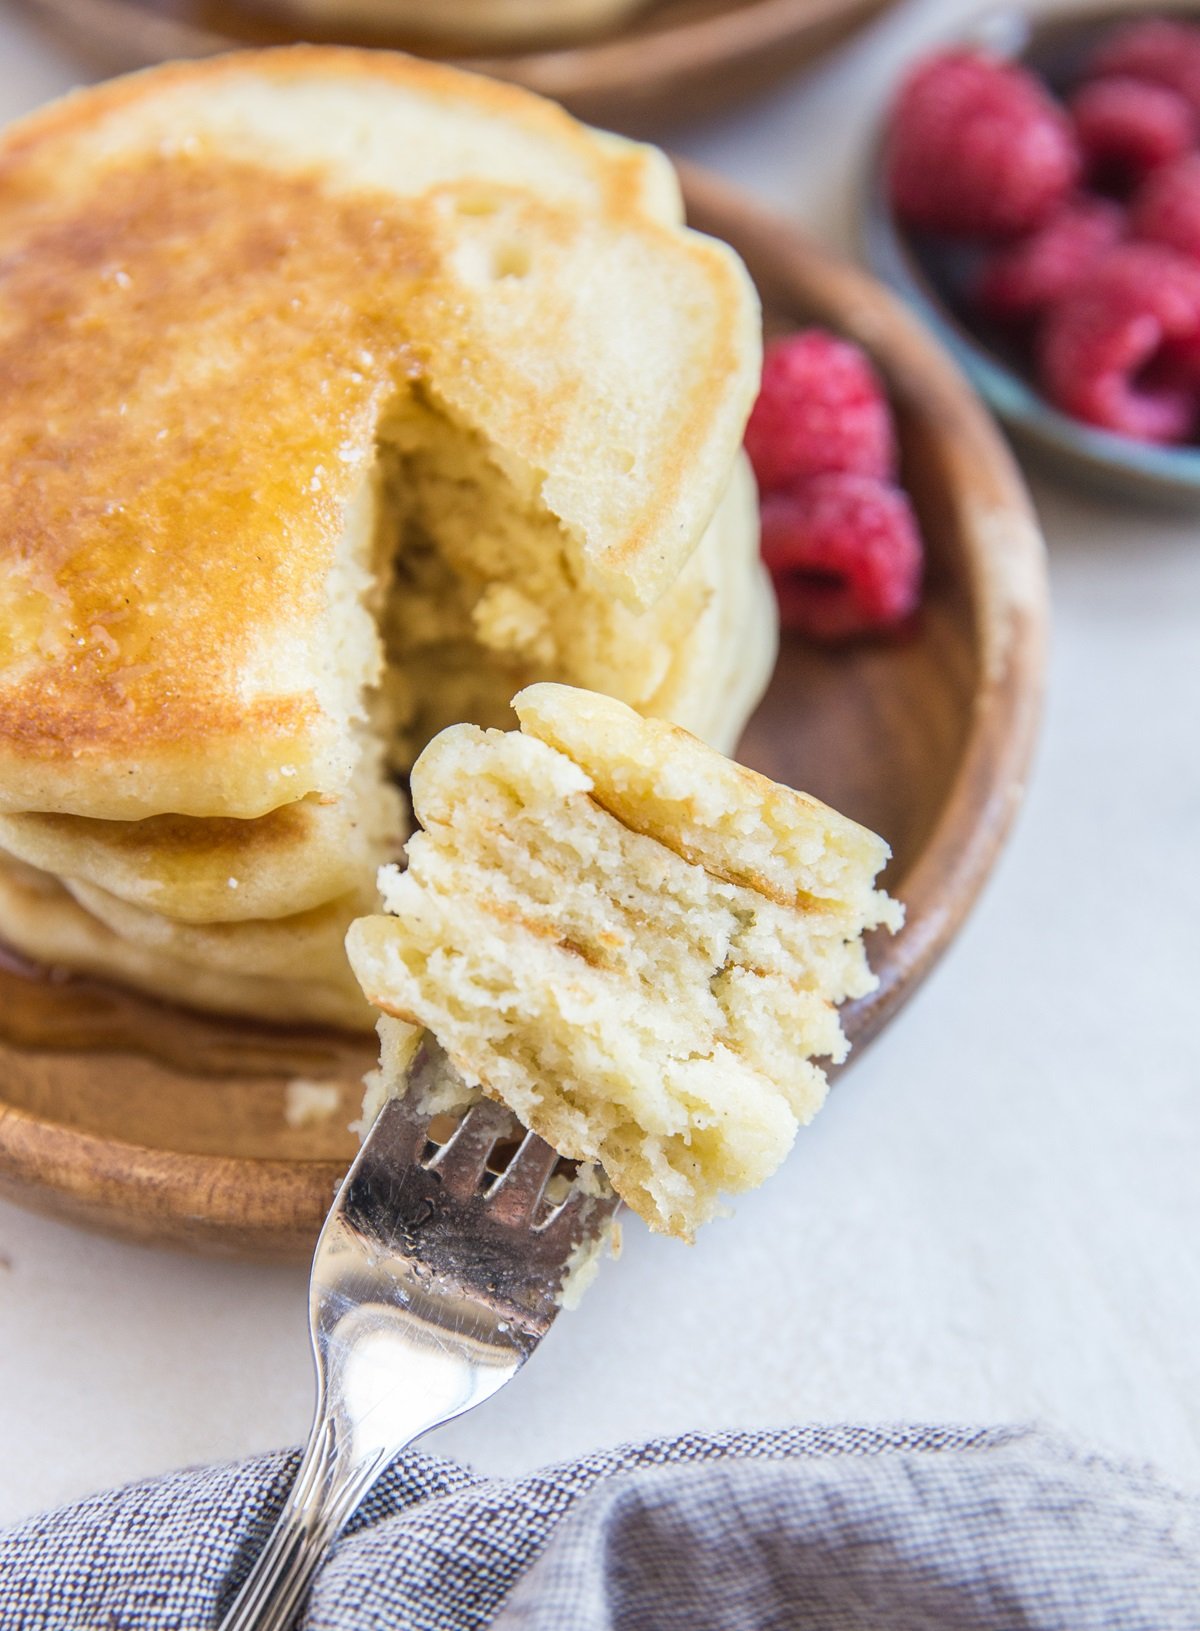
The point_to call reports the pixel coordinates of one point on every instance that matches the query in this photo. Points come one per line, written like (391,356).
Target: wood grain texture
(677,60)
(126,1114)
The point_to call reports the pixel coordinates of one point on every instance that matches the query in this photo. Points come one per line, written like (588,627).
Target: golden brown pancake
(215,282)
(44,924)
(220,869)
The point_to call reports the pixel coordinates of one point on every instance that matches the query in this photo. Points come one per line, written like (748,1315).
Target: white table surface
(997,1216)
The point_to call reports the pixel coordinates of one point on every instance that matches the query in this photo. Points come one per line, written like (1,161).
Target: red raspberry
(820,407)
(1022,279)
(977,148)
(1167,208)
(1107,350)
(1128,127)
(1158,50)
(845,554)
(1181,366)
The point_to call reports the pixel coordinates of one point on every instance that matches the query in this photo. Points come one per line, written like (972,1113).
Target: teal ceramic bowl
(932,275)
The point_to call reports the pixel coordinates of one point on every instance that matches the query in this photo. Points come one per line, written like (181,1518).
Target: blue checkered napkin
(809,1529)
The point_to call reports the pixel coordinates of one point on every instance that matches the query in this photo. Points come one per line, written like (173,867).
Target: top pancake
(214,280)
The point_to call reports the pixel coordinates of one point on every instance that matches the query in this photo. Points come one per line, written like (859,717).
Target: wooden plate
(678,60)
(170,1127)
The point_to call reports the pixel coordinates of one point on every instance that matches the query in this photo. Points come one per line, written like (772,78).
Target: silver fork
(430,1287)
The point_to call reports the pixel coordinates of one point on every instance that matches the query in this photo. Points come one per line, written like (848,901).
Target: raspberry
(1020,280)
(1128,127)
(977,148)
(820,408)
(845,554)
(1157,50)
(1167,207)
(1182,364)
(1110,352)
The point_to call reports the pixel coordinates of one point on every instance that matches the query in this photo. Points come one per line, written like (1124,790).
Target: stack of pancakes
(344,396)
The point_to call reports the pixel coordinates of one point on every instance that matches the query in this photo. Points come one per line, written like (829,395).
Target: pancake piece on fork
(636,944)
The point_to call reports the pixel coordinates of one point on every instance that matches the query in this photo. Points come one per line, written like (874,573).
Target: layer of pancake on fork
(635,943)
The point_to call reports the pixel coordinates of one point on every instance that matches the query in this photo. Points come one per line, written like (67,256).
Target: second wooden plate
(170,1127)
(678,60)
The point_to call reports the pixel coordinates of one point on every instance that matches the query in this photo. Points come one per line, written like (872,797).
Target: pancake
(46,926)
(478,22)
(222,870)
(636,944)
(720,623)
(346,395)
(660,780)
(189,592)
(306,946)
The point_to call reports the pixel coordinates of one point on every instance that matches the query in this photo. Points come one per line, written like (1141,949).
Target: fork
(434,1279)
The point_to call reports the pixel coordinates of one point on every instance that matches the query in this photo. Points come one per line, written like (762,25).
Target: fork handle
(325,1495)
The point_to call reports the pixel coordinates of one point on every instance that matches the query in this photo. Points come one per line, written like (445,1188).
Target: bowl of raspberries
(1040,204)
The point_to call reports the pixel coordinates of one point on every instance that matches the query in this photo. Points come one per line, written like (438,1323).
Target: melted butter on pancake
(233,336)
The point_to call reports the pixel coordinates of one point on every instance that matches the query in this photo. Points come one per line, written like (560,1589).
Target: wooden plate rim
(273,1207)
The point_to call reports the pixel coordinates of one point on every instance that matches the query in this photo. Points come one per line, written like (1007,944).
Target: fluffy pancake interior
(637,1007)
(490,593)
(244,372)
(215,869)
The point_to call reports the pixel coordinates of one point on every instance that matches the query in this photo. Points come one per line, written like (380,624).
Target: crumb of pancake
(310,1104)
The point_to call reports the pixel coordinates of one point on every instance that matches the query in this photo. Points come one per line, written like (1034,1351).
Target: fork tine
(397,1136)
(462,1159)
(578,1214)
(515,1195)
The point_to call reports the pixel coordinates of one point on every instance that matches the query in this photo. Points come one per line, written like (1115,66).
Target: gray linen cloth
(834,1529)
